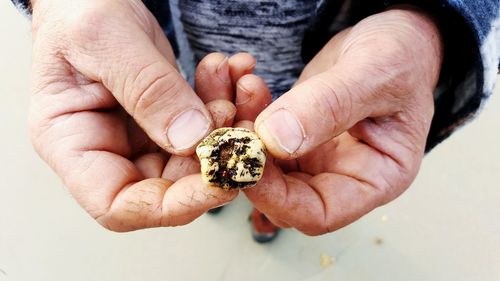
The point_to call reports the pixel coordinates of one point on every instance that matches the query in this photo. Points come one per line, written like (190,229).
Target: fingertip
(241,64)
(300,176)
(277,222)
(178,167)
(307,116)
(223,112)
(282,134)
(252,97)
(151,165)
(213,79)
(243,95)
(245,124)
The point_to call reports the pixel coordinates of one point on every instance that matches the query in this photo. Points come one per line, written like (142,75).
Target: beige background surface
(446,227)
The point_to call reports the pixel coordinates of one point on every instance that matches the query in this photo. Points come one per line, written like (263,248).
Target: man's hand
(354,125)
(107,101)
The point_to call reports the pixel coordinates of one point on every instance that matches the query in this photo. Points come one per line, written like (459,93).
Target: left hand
(351,133)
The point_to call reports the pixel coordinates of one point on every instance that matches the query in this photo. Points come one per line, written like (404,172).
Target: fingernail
(223,70)
(243,98)
(187,129)
(286,130)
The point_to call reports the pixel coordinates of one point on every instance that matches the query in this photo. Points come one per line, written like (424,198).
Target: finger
(147,85)
(180,166)
(264,196)
(159,202)
(280,223)
(287,166)
(190,198)
(241,64)
(324,203)
(252,96)
(244,124)
(320,108)
(277,222)
(151,165)
(300,175)
(222,112)
(212,78)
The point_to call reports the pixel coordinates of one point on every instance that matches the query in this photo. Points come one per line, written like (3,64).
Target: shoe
(215,210)
(263,230)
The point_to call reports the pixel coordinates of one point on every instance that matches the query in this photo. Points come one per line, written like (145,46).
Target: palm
(344,173)
(338,156)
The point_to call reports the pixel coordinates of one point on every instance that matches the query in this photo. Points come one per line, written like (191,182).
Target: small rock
(326,260)
(231,158)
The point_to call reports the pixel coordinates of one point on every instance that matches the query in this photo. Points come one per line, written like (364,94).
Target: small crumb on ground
(378,241)
(326,261)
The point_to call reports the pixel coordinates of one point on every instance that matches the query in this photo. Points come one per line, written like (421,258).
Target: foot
(263,230)
(215,211)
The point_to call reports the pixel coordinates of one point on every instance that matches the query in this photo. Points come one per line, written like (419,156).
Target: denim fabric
(470,30)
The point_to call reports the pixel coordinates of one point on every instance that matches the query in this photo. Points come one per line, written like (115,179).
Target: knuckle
(111,224)
(86,22)
(316,229)
(42,136)
(315,225)
(35,132)
(152,83)
(335,103)
(115,221)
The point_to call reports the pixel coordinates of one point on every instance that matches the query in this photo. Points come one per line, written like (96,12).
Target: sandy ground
(446,227)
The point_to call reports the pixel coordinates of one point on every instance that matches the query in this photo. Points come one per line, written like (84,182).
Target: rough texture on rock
(231,158)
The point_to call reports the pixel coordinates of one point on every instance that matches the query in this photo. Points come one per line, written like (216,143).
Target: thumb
(148,86)
(318,109)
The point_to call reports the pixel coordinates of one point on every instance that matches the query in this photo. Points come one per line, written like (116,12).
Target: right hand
(107,101)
